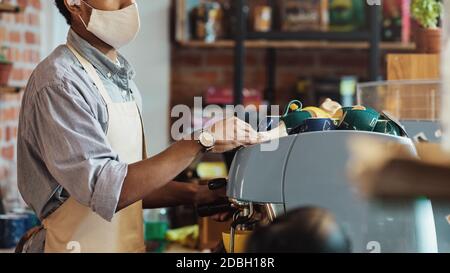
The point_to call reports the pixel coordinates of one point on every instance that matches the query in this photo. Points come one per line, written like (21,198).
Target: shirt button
(109,75)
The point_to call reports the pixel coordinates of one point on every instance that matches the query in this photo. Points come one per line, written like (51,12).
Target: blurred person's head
(112,22)
(72,9)
(304,230)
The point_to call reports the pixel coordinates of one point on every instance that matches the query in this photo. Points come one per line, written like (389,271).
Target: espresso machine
(310,169)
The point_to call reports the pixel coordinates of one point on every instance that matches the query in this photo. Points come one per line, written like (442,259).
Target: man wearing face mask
(82,165)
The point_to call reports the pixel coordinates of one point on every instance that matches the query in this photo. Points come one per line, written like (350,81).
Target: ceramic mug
(294,115)
(240,241)
(317,112)
(387,127)
(317,125)
(359,119)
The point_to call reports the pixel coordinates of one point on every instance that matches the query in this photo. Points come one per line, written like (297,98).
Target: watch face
(207,139)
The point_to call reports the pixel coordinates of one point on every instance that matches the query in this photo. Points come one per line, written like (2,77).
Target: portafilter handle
(213,209)
(218,207)
(217,184)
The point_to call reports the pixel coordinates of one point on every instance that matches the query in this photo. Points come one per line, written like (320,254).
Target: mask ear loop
(79,2)
(87,4)
(83,21)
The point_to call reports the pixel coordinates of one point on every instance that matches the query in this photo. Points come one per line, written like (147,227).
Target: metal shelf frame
(372,35)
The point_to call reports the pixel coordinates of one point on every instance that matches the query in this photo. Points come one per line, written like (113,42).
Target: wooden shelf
(9,90)
(8,8)
(394,46)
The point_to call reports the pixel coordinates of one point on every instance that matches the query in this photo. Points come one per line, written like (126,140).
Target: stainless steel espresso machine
(309,169)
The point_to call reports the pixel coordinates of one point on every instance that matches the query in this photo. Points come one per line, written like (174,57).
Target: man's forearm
(171,195)
(144,178)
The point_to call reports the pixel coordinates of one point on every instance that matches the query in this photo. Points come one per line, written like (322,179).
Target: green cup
(387,127)
(295,119)
(359,119)
(294,115)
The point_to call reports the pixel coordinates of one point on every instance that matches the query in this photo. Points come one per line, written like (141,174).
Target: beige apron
(76,228)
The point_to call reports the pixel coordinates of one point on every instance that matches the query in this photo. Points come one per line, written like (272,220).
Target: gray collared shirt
(62,149)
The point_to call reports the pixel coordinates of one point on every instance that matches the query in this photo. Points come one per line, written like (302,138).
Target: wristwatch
(206,140)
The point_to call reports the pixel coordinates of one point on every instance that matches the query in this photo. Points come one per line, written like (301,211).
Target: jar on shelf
(262,19)
(207,21)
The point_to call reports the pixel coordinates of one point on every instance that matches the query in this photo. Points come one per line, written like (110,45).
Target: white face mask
(117,28)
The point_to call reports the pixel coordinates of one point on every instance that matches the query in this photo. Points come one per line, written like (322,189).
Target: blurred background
(254,52)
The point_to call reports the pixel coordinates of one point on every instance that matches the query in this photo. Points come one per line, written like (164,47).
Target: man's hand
(206,196)
(232,133)
(148,178)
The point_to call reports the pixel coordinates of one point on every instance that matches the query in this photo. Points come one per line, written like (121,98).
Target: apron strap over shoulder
(93,74)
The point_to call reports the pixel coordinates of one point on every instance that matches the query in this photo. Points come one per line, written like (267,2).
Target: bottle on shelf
(156,225)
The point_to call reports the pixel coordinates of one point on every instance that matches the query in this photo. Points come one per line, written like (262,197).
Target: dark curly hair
(64,11)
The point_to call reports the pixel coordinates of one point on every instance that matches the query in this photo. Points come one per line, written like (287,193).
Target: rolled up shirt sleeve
(75,149)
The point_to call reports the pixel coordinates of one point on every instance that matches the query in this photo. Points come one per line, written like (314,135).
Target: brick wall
(21,34)
(195,69)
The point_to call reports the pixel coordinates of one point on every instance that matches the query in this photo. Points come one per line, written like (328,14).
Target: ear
(73,5)
(74,2)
